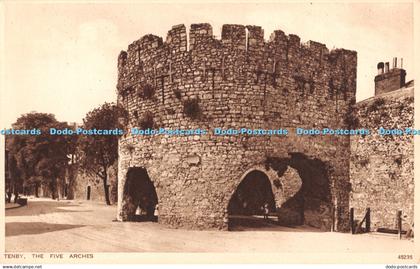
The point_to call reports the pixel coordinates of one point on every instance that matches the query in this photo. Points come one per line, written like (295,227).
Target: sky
(61,57)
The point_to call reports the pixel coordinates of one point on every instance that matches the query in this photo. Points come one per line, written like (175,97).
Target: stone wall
(382,167)
(239,81)
(81,181)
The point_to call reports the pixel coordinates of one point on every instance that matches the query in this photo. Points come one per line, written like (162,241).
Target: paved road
(76,226)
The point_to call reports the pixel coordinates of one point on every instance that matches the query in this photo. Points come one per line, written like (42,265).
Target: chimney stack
(380,68)
(389,80)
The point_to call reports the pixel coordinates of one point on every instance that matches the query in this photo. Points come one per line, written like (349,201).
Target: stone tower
(241,81)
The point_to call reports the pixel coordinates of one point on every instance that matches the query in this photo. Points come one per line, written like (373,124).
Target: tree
(12,172)
(39,159)
(99,152)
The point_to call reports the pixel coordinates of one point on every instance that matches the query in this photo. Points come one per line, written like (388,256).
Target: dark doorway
(140,195)
(248,202)
(311,205)
(88,193)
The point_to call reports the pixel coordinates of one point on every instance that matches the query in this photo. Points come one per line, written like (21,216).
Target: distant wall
(82,181)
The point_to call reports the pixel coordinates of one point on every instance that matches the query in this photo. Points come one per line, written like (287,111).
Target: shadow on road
(258,223)
(10,206)
(19,228)
(42,207)
(143,218)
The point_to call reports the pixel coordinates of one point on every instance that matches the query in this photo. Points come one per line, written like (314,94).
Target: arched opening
(311,205)
(252,202)
(140,196)
(291,210)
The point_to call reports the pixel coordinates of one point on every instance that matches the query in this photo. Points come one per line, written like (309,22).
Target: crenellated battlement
(241,69)
(234,37)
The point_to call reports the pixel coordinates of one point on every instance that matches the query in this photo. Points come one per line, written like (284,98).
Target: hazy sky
(62,58)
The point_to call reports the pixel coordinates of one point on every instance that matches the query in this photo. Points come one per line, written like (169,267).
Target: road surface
(86,226)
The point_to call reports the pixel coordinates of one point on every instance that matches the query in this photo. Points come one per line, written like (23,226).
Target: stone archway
(140,196)
(312,203)
(249,198)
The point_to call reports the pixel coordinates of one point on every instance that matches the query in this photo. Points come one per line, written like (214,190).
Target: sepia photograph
(145,131)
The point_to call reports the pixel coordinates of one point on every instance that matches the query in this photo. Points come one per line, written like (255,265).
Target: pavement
(45,225)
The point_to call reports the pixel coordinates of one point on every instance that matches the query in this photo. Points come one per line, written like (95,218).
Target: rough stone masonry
(382,166)
(197,81)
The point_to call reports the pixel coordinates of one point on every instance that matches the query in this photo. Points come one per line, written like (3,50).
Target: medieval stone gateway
(239,81)
(139,194)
